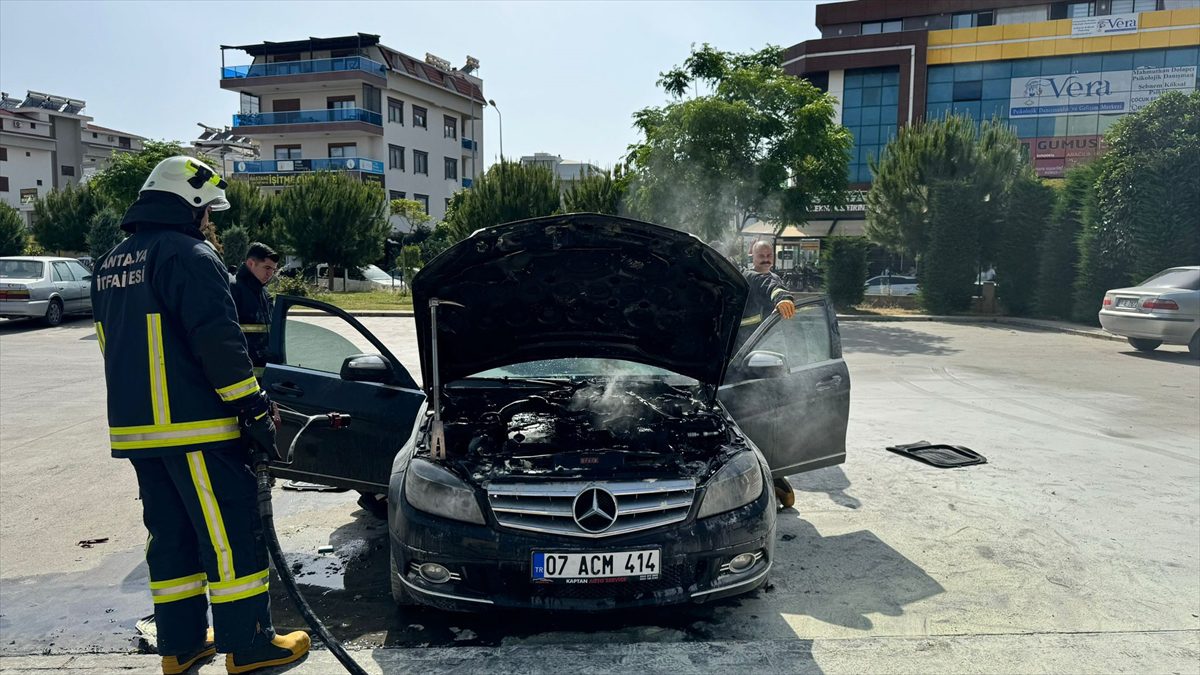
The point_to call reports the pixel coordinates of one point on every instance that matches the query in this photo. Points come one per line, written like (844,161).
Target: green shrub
(104,233)
(1060,246)
(13,235)
(291,286)
(948,269)
(1021,228)
(845,263)
(235,242)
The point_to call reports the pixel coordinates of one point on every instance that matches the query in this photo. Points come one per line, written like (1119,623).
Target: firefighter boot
(275,651)
(175,665)
(784,493)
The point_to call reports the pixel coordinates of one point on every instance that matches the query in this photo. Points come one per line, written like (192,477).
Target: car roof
(39,258)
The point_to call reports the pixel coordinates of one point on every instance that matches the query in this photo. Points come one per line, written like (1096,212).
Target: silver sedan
(1164,309)
(44,287)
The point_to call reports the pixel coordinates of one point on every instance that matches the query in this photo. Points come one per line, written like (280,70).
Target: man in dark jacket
(182,406)
(249,290)
(767,294)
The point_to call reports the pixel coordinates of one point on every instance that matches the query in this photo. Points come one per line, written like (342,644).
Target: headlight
(736,484)
(432,489)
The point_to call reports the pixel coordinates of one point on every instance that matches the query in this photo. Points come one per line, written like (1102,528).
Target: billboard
(1051,156)
(1114,24)
(1114,92)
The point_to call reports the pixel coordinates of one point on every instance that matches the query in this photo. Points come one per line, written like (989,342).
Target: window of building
(1009,15)
(451,168)
(987,18)
(968,91)
(1133,6)
(420,162)
(33,125)
(68,170)
(1181,4)
(339,102)
(341,53)
(447,207)
(3,183)
(395,110)
(419,117)
(288,152)
(449,127)
(973,19)
(395,194)
(3,154)
(95,135)
(123,142)
(876,27)
(343,150)
(395,157)
(424,200)
(285,105)
(1072,10)
(28,195)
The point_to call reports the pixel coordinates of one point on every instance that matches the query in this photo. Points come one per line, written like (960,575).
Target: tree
(13,235)
(235,242)
(119,183)
(507,192)
(845,262)
(412,211)
(948,273)
(597,193)
(1060,247)
(104,232)
(334,218)
(62,217)
(250,208)
(760,143)
(1021,229)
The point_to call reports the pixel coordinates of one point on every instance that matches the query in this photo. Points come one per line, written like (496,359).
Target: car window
(62,273)
(803,339)
(78,270)
(21,269)
(321,343)
(1175,278)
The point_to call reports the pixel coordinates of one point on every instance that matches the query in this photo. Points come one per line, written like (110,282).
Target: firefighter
(767,294)
(182,406)
(249,290)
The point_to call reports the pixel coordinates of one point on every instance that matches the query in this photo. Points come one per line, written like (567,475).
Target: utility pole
(492,102)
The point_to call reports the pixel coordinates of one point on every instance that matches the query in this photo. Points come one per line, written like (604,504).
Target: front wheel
(399,593)
(1143,345)
(1194,345)
(54,313)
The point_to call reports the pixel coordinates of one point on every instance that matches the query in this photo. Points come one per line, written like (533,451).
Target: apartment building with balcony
(352,104)
(48,142)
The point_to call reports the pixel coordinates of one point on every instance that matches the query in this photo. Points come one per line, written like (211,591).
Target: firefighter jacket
(254,314)
(175,361)
(766,291)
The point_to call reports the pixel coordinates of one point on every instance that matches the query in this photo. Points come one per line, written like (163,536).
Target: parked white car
(891,285)
(44,287)
(1164,309)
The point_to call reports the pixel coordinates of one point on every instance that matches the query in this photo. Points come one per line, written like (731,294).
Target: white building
(222,148)
(352,104)
(565,169)
(47,142)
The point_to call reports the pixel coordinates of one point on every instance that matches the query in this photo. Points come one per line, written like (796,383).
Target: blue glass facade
(870,104)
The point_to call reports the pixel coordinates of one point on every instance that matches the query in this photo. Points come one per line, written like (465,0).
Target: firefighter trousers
(206,545)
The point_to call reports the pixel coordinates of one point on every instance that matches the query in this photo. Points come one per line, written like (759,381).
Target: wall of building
(27,168)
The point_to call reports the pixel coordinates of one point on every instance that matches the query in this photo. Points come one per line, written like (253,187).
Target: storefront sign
(286,179)
(810,245)
(1051,157)
(856,200)
(1116,92)
(1114,24)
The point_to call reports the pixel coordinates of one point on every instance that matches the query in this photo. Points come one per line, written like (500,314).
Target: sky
(565,76)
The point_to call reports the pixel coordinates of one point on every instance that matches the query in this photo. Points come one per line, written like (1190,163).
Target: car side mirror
(765,364)
(366,368)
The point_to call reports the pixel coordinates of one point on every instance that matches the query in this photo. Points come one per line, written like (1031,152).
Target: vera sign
(1113,92)
(1104,25)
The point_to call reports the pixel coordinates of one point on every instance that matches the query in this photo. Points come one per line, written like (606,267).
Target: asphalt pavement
(1076,548)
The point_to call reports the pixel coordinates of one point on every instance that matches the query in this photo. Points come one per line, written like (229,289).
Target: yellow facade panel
(1090,45)
(1062,27)
(1120,43)
(962,54)
(1154,19)
(1041,48)
(1159,38)
(1068,47)
(1016,31)
(1185,17)
(963,36)
(990,33)
(1042,29)
(940,37)
(989,52)
(937,57)
(1184,37)
(1015,50)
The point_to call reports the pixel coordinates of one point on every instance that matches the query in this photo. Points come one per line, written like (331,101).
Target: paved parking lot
(1075,548)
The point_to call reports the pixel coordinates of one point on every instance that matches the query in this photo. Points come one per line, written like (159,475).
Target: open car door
(789,390)
(323,360)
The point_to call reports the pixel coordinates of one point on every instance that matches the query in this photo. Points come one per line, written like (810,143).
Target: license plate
(597,567)
(1127,302)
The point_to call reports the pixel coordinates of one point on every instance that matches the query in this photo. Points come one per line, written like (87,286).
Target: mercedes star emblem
(595,509)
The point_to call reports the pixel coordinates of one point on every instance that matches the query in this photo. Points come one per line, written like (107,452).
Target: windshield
(585,367)
(20,269)
(373,273)
(1175,278)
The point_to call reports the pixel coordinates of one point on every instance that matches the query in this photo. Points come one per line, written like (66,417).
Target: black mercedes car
(583,439)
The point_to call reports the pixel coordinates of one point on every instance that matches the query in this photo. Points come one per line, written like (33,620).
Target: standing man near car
(767,294)
(182,407)
(249,290)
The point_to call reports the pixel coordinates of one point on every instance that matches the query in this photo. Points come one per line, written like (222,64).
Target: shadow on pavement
(18,326)
(885,338)
(831,481)
(1163,356)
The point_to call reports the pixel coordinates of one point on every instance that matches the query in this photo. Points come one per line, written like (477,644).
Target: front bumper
(1170,328)
(493,565)
(15,309)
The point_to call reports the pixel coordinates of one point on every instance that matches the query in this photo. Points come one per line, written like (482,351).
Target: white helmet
(190,179)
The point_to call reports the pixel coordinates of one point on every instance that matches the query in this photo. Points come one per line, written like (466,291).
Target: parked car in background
(44,287)
(893,284)
(1164,309)
(369,278)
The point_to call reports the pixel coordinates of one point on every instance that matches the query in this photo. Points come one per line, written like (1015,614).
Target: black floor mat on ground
(941,456)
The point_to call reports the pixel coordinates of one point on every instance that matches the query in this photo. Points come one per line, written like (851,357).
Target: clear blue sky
(565,75)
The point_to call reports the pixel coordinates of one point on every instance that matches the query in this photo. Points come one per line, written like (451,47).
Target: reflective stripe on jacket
(175,362)
(253,312)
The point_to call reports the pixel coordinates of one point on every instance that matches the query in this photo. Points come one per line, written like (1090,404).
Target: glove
(787,308)
(258,427)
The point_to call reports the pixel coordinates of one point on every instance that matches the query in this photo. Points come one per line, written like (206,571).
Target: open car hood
(579,285)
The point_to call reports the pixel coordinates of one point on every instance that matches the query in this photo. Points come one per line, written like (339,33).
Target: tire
(1194,345)
(374,504)
(399,592)
(784,493)
(54,313)
(1143,345)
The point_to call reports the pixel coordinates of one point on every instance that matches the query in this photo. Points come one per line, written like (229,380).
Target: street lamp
(500,117)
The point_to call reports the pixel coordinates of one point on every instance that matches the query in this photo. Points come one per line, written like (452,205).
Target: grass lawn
(367,300)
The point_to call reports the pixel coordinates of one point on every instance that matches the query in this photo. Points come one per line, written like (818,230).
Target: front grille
(547,507)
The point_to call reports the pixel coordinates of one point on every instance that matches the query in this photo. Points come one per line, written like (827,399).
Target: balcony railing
(362,164)
(305,67)
(467,182)
(468,144)
(307,117)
